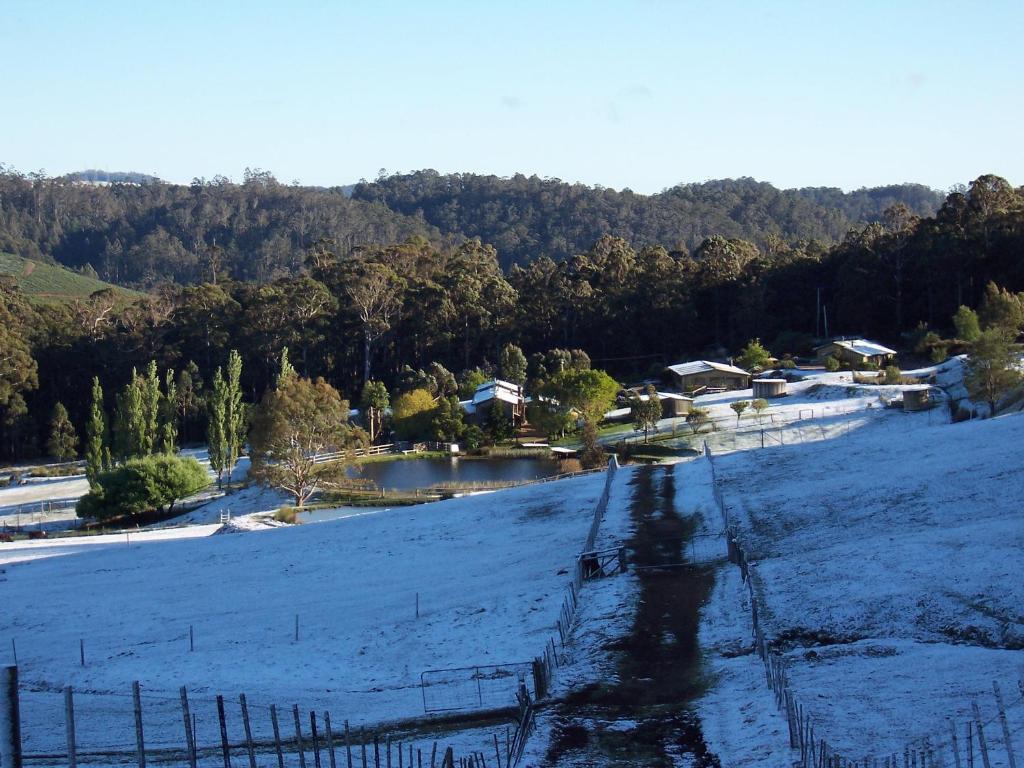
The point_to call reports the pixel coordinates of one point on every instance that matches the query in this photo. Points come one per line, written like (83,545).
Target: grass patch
(513,452)
(288,514)
(58,470)
(333,499)
(385,457)
(51,283)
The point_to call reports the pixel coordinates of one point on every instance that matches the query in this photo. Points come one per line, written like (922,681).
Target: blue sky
(641,94)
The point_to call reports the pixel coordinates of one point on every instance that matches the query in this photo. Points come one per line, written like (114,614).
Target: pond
(407,474)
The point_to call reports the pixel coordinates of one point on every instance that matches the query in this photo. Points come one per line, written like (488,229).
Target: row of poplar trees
(145,420)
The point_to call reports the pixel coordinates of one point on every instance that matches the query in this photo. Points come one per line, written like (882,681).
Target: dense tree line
(136,231)
(526,217)
(146,234)
(435,315)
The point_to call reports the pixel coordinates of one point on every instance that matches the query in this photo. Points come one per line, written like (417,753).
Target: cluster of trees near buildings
(352,311)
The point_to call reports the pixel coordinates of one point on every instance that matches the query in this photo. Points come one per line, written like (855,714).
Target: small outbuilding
(705,374)
(673,405)
(768,388)
(917,399)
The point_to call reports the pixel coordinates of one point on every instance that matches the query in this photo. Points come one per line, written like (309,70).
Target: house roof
(498,390)
(705,366)
(860,346)
(670,396)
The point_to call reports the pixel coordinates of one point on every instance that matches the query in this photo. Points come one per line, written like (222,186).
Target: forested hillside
(144,234)
(425,303)
(526,217)
(140,235)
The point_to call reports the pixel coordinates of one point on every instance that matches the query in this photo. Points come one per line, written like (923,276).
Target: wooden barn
(856,352)
(700,375)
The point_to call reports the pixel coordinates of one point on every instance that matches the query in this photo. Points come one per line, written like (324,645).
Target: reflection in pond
(408,474)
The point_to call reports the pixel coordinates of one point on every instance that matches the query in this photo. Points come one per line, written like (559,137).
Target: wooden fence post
(224,748)
(298,736)
(330,738)
(248,730)
(981,733)
(10,719)
(1011,758)
(954,744)
(69,719)
(190,739)
(140,744)
(313,736)
(277,736)
(348,746)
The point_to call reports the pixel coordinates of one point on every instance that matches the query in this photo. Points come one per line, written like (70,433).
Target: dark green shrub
(142,485)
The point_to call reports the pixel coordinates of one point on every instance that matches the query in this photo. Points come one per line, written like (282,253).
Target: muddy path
(643,718)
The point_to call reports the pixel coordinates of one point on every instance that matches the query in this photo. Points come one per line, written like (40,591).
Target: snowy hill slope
(887,564)
(489,572)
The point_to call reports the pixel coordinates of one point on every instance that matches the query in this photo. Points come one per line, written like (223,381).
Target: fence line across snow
(818,752)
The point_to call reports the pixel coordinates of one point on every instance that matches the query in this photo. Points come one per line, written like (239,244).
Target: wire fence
(494,686)
(70,728)
(806,425)
(34,515)
(66,727)
(987,740)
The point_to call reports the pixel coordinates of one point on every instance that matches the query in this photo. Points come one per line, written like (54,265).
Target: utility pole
(817,314)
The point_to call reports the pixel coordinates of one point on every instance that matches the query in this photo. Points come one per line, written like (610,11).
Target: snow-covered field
(488,573)
(885,548)
(887,565)
(48,503)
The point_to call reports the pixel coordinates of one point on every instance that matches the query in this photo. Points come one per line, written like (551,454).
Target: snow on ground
(886,562)
(248,503)
(738,716)
(489,572)
(606,606)
(605,614)
(28,505)
(820,406)
(26,550)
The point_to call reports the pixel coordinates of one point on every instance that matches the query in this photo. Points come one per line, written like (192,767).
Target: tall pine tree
(130,421)
(151,409)
(63,441)
(97,451)
(234,413)
(215,440)
(169,415)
